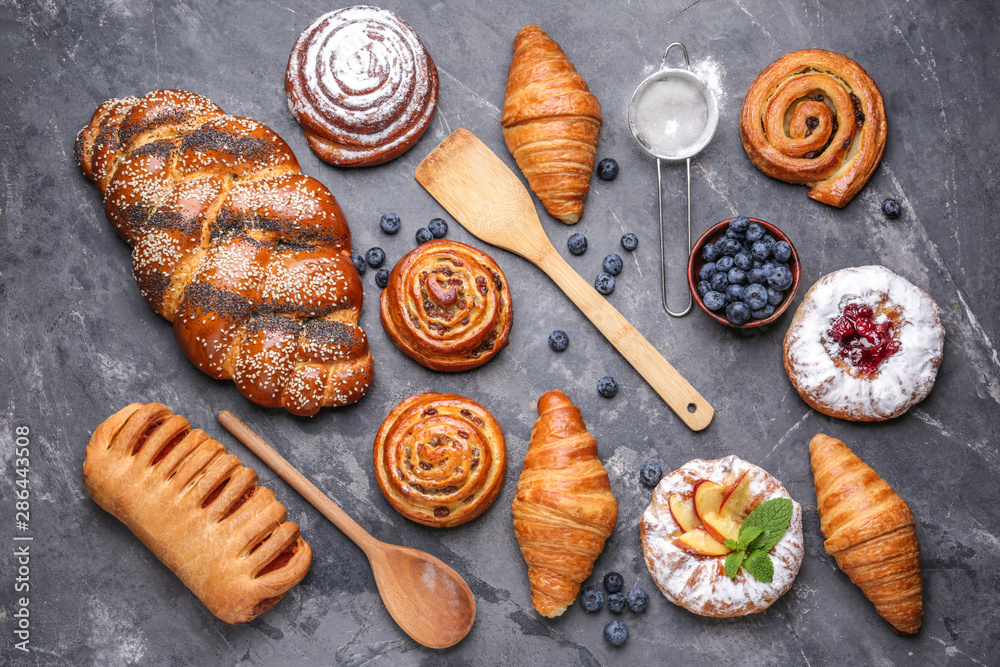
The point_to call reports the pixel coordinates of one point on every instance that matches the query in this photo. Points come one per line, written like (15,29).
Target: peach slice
(721,526)
(683,513)
(737,499)
(699,542)
(707,498)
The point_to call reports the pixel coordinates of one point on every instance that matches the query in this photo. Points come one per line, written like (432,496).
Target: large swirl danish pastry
(815,117)
(440,459)
(447,306)
(362,85)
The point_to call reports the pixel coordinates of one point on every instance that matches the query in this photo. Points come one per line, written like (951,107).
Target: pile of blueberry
(746,272)
(636,600)
(390,224)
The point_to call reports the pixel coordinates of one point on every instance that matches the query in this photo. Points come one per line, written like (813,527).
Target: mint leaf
(773,516)
(748,534)
(734,545)
(733,562)
(759,565)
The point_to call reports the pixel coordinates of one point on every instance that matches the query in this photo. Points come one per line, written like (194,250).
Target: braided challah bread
(248,257)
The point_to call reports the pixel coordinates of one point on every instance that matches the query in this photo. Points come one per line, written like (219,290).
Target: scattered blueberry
(719,282)
(592,598)
(650,473)
(424,235)
(725,263)
(760,250)
(375,257)
(738,313)
(577,244)
(607,387)
(737,276)
(438,228)
(743,260)
(612,264)
(616,603)
(756,275)
(637,600)
(359,262)
(630,241)
(607,169)
(703,287)
(389,223)
(782,251)
(734,293)
(755,232)
(780,279)
(613,582)
(616,633)
(710,253)
(740,224)
(382,278)
(707,271)
(605,283)
(891,208)
(714,300)
(755,296)
(558,340)
(774,297)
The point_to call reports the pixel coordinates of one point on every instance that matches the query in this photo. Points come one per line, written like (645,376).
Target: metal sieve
(673,115)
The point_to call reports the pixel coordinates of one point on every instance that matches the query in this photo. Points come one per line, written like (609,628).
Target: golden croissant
(551,122)
(563,510)
(870,531)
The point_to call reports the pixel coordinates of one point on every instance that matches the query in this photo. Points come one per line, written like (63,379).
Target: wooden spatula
(486,198)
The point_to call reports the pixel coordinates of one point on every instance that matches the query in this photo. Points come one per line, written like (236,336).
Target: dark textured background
(79,341)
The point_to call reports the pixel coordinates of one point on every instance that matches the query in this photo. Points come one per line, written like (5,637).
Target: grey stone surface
(79,342)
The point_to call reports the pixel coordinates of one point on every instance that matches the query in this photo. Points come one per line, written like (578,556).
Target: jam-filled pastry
(440,459)
(362,85)
(248,258)
(864,345)
(197,509)
(694,510)
(447,306)
(815,117)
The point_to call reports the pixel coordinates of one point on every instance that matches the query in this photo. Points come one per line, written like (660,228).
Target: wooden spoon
(486,198)
(426,598)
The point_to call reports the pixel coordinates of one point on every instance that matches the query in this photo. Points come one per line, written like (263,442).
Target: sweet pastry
(694,510)
(197,509)
(870,531)
(865,344)
(551,122)
(440,459)
(815,117)
(362,85)
(248,257)
(447,306)
(563,510)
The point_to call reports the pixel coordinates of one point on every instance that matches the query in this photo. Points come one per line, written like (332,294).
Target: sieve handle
(663,252)
(687,59)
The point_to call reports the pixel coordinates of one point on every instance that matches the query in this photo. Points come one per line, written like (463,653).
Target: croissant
(197,509)
(551,122)
(870,531)
(248,257)
(563,510)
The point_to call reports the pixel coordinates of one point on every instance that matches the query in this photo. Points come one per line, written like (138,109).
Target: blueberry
(757,264)
(703,287)
(577,244)
(607,169)
(382,278)
(375,257)
(605,283)
(725,263)
(763,313)
(734,293)
(613,582)
(755,296)
(630,241)
(729,246)
(438,228)
(650,474)
(707,271)
(740,224)
(637,600)
(743,260)
(755,232)
(738,313)
(768,268)
(756,275)
(558,340)
(592,598)
(714,300)
(780,279)
(782,251)
(612,264)
(737,276)
(359,262)
(616,603)
(710,253)
(607,387)
(768,240)
(891,208)
(424,235)
(719,282)
(733,234)
(389,223)
(774,297)
(616,633)
(760,250)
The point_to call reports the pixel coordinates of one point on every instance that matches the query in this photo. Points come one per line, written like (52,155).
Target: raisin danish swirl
(362,85)
(197,509)
(815,117)
(447,306)
(248,257)
(440,459)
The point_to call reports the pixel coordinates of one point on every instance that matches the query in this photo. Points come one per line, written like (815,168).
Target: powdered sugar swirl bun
(362,85)
(831,384)
(699,583)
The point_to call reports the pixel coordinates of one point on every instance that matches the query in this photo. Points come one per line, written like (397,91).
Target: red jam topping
(863,342)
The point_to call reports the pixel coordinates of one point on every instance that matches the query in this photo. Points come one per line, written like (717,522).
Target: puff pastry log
(551,123)
(815,117)
(870,531)
(563,510)
(197,509)
(248,257)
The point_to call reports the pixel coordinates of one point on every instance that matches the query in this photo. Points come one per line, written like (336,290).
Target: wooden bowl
(715,233)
